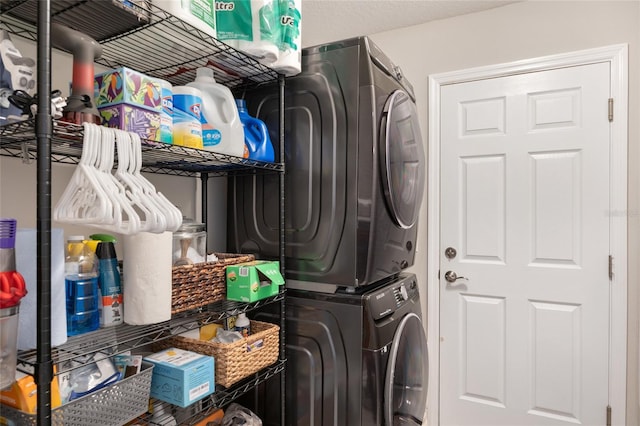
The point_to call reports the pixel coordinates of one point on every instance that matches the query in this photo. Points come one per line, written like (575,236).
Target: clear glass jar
(189,243)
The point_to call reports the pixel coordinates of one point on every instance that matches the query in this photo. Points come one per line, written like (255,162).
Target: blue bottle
(81,287)
(256,135)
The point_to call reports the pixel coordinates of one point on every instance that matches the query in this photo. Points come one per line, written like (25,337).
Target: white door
(524,204)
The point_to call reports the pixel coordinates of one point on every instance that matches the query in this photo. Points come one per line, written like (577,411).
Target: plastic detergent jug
(221,127)
(256,135)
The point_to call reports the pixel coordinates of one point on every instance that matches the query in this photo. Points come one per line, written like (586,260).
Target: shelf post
(281,181)
(44,130)
(204,178)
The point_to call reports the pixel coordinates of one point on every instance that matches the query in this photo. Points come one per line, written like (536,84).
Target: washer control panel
(387,299)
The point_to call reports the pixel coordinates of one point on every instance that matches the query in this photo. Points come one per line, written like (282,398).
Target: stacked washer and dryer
(355,171)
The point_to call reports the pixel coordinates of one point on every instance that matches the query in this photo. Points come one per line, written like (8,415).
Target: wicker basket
(233,361)
(114,405)
(200,284)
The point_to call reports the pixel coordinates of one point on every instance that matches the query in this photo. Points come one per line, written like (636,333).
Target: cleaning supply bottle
(243,325)
(187,125)
(256,135)
(81,287)
(221,126)
(111,301)
(166,115)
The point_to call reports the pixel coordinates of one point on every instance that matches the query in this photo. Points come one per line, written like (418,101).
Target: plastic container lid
(7,233)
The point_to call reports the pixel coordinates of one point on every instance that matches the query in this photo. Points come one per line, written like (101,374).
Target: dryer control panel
(391,297)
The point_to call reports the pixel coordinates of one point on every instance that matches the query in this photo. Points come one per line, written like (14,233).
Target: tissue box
(181,377)
(251,281)
(124,85)
(132,119)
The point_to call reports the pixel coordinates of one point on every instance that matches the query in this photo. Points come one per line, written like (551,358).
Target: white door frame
(617,56)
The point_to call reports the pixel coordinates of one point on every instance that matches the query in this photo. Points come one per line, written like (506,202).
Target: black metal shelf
(143,37)
(152,41)
(19,140)
(123,338)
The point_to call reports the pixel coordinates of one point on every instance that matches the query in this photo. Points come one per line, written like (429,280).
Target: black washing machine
(354,171)
(353,359)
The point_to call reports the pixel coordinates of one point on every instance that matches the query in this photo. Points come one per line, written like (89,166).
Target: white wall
(521,31)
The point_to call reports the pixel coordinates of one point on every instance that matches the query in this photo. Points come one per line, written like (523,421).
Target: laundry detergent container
(354,171)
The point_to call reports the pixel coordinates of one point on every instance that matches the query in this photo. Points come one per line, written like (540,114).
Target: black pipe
(44,129)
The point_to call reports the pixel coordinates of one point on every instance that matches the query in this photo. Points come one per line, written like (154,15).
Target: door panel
(524,201)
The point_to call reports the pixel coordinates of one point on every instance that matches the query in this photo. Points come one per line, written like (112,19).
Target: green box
(251,281)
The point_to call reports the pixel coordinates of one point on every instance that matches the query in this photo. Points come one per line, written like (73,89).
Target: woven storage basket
(200,284)
(232,360)
(116,404)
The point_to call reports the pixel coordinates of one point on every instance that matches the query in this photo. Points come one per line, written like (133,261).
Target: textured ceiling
(330,20)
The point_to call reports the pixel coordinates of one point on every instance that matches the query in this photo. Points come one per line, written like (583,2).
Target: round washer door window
(401,159)
(407,376)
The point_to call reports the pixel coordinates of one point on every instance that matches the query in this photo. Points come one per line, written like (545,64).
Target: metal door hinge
(608,415)
(610,267)
(610,109)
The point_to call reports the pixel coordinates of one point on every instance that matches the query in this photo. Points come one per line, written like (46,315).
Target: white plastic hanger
(154,218)
(172,214)
(84,200)
(126,219)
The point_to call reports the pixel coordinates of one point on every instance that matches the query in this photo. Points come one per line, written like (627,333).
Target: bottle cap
(241,104)
(106,250)
(204,72)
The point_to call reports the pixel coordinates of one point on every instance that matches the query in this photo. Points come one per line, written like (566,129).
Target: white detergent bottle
(222,130)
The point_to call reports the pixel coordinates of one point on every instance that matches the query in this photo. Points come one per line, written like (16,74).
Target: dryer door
(407,376)
(401,159)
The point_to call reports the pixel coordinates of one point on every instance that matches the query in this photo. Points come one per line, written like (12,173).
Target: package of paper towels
(146,272)
(250,26)
(26,264)
(289,60)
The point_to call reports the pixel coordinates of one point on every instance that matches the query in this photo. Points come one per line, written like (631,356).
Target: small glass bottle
(81,287)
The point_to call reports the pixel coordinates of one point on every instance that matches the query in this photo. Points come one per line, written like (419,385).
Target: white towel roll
(289,61)
(147,278)
(26,250)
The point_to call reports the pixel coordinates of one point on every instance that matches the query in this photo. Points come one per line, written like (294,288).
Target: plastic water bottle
(256,135)
(81,287)
(111,306)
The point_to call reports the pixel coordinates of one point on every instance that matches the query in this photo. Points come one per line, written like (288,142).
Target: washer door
(407,374)
(401,159)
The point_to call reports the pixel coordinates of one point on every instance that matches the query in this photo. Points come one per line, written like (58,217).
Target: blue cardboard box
(181,377)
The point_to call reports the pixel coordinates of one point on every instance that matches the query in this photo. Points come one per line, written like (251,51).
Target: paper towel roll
(289,60)
(147,277)
(264,22)
(26,264)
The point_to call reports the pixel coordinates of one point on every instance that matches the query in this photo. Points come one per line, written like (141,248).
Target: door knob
(452,277)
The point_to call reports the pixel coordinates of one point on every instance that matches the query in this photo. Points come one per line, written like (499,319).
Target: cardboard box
(124,85)
(181,377)
(132,119)
(251,281)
